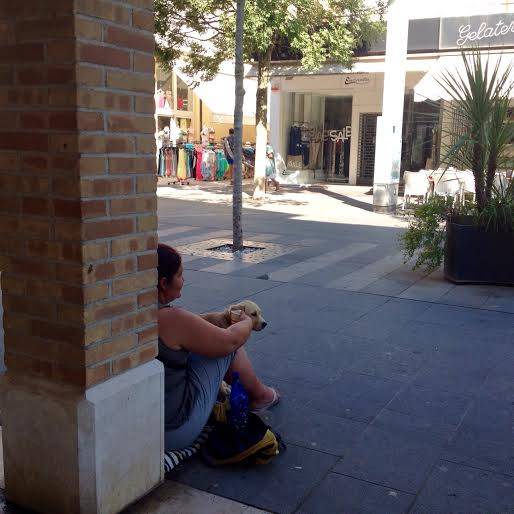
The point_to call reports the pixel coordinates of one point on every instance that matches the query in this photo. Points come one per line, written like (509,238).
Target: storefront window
(182,96)
(421,134)
(320,134)
(164,95)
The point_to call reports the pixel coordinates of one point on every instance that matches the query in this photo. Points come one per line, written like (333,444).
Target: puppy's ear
(241,306)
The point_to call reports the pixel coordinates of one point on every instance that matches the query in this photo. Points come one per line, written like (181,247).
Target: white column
(389,127)
(276,120)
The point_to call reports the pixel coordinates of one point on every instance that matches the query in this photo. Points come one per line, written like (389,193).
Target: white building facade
(384,116)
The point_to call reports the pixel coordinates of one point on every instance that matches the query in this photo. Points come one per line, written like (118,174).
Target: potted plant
(474,237)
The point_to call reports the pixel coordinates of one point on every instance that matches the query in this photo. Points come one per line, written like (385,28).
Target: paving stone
(198,264)
(381,322)
(432,406)
(311,345)
(288,370)
(501,299)
(461,374)
(278,486)
(499,383)
(397,460)
(356,396)
(327,274)
(321,260)
(300,424)
(430,288)
(388,286)
(209,291)
(460,489)
(360,279)
(342,494)
(479,320)
(467,296)
(425,430)
(174,497)
(484,439)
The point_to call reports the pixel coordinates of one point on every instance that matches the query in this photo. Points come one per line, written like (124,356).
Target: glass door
(337,133)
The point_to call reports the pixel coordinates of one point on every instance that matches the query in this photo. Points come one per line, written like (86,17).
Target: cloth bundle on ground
(228,444)
(222,443)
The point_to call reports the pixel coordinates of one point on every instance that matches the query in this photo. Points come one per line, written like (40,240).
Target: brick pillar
(77,243)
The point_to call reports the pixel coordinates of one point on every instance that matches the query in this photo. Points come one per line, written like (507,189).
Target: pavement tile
(209,291)
(278,486)
(293,371)
(432,406)
(484,439)
(342,494)
(355,396)
(325,275)
(501,299)
(174,497)
(499,383)
(311,345)
(482,322)
(467,296)
(385,319)
(430,288)
(425,430)
(302,425)
(458,373)
(465,490)
(400,461)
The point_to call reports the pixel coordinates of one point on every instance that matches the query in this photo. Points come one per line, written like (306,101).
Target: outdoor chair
(446,183)
(416,184)
(467,184)
(501,182)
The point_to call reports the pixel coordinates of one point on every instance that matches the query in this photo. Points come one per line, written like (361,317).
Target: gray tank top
(178,394)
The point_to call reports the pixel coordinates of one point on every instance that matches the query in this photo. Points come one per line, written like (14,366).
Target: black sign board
(494,30)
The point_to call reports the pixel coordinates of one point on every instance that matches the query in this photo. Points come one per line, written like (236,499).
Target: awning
(361,65)
(219,94)
(429,88)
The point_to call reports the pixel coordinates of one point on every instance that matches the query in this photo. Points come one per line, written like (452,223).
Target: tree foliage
(201,32)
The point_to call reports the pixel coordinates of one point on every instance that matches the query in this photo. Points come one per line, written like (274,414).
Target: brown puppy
(223,319)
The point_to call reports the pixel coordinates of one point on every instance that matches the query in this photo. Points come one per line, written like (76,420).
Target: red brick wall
(77,187)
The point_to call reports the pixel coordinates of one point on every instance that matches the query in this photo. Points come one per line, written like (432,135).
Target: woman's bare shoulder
(177,315)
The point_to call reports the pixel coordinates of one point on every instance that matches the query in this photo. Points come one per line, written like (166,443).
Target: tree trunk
(261,123)
(478,172)
(489,179)
(237,195)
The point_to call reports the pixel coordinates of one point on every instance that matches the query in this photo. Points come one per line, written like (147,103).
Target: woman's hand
(244,317)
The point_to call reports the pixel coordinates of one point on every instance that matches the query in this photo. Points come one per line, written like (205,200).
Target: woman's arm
(180,329)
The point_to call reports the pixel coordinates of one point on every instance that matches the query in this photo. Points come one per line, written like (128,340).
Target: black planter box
(475,256)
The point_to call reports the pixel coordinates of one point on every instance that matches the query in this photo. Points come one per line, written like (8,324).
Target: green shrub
(425,236)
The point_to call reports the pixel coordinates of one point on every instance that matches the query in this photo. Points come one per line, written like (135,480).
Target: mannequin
(175,133)
(204,135)
(163,137)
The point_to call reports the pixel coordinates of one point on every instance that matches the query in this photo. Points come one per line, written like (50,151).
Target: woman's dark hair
(169,262)
(231,131)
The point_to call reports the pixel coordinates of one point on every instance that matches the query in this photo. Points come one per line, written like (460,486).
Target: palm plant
(480,102)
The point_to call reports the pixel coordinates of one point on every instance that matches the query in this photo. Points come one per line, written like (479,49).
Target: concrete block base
(385,197)
(300,177)
(90,453)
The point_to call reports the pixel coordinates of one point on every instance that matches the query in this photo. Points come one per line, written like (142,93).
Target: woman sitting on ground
(197,356)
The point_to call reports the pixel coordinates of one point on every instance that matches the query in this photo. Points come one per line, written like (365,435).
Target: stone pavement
(397,387)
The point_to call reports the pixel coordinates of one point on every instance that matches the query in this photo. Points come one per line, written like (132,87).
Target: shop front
(323,127)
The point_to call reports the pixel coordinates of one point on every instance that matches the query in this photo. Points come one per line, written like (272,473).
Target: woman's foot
(268,400)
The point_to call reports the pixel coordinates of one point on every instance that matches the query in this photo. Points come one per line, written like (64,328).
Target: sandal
(269,405)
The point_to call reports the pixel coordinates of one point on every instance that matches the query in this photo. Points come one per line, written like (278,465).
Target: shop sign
(357,80)
(340,135)
(495,30)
